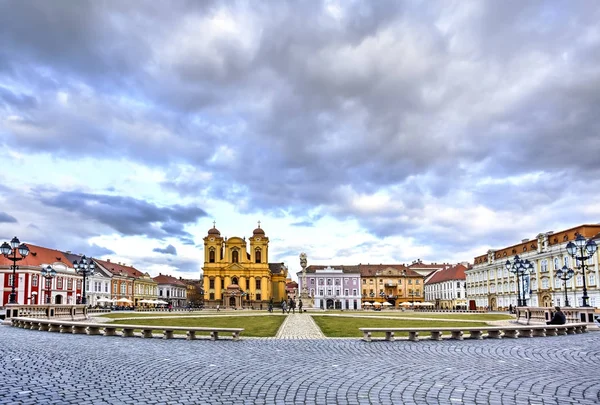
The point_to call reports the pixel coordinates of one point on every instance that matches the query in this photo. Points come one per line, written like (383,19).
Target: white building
(491,284)
(333,288)
(446,288)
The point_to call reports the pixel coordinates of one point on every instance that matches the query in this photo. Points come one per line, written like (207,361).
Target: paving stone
(300,367)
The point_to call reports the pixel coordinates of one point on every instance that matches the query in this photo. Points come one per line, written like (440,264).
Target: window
(346,292)
(556,263)
(234,256)
(258,297)
(70,284)
(458,284)
(329,291)
(328,281)
(59,283)
(257,257)
(458,294)
(321,292)
(115,287)
(10,279)
(222,283)
(257,284)
(566,261)
(106,287)
(211,255)
(211,283)
(312,281)
(545,283)
(234,280)
(544,266)
(211,296)
(34,280)
(321,282)
(579,280)
(354,292)
(364,281)
(123,288)
(592,279)
(409,281)
(337,281)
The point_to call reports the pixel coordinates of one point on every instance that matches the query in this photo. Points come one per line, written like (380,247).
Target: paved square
(43,368)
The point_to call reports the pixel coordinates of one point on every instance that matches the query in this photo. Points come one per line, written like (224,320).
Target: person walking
(300,305)
(283,306)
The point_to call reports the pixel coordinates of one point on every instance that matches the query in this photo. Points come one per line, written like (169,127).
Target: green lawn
(338,326)
(254,326)
(430,315)
(132,314)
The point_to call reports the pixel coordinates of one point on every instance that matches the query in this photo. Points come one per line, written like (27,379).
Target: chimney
(524,240)
(68,252)
(108,260)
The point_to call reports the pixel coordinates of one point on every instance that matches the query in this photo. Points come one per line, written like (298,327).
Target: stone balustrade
(528,315)
(47,311)
(490,332)
(112,329)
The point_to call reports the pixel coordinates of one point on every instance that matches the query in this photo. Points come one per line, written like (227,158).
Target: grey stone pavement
(43,368)
(299,326)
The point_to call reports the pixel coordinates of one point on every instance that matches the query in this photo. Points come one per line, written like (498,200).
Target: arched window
(235,256)
(211,255)
(234,280)
(257,256)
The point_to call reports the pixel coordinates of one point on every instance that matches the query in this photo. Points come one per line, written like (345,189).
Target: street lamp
(586,250)
(520,268)
(85,267)
(10,252)
(565,274)
(48,273)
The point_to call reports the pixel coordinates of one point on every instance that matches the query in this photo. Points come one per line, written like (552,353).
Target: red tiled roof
(37,256)
(116,268)
(453,273)
(164,279)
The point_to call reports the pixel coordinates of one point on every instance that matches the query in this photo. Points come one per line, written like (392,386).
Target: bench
(110,329)
(493,332)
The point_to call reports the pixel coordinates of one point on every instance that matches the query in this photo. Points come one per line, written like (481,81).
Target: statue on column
(307,300)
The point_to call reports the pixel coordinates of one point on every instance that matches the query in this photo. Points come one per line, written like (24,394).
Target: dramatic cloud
(4,217)
(169,250)
(457,125)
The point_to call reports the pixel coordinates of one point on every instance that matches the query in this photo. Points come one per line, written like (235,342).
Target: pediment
(235,266)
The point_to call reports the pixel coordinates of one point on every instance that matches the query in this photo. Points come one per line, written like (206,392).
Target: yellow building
(235,277)
(395,284)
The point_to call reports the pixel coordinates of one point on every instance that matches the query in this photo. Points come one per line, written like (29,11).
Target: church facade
(238,275)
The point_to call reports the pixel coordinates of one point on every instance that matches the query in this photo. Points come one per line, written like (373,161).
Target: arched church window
(211,255)
(235,256)
(257,256)
(234,280)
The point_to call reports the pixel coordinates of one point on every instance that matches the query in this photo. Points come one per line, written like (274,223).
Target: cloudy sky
(358,132)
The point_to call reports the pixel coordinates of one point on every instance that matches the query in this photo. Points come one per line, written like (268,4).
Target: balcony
(391,284)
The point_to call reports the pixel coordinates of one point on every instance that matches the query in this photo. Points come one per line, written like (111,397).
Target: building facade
(395,284)
(446,288)
(333,287)
(31,287)
(235,276)
(121,281)
(171,290)
(490,284)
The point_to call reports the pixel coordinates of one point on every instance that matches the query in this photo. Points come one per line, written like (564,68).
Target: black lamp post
(582,250)
(565,274)
(520,268)
(85,267)
(10,252)
(48,273)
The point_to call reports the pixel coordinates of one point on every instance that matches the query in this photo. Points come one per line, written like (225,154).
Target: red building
(31,287)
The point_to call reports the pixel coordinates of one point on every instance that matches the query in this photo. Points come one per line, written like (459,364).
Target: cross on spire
(259,224)
(214,224)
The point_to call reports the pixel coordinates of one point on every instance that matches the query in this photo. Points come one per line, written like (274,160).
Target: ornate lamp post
(520,268)
(10,252)
(565,274)
(85,267)
(582,250)
(48,273)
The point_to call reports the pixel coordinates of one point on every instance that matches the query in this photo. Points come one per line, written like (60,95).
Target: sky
(354,131)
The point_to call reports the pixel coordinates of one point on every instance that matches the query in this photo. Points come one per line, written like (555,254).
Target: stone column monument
(307,300)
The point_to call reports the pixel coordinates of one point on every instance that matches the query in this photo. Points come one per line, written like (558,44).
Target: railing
(528,315)
(493,332)
(47,311)
(110,329)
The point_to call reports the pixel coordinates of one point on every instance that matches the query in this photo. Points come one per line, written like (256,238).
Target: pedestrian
(300,305)
(558,318)
(217,308)
(510,309)
(283,306)
(290,305)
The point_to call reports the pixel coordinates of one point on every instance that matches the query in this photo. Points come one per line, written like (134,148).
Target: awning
(125,300)
(405,304)
(377,304)
(387,304)
(104,300)
(366,304)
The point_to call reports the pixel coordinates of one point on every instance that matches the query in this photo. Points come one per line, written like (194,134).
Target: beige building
(490,284)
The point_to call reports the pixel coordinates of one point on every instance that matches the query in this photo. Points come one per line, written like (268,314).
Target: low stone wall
(490,332)
(108,329)
(529,315)
(47,311)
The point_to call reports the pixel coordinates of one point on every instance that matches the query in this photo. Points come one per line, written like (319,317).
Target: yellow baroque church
(237,278)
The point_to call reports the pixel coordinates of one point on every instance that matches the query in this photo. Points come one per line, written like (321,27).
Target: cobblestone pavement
(43,368)
(299,326)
